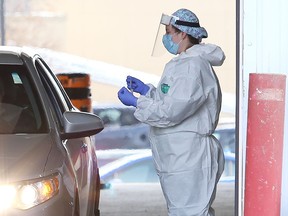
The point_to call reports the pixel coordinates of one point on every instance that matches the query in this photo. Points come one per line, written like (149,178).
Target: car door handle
(84,147)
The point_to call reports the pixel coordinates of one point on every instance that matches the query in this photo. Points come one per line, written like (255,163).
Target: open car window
(20,107)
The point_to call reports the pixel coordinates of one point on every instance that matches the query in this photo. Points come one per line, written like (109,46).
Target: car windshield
(117,117)
(20,109)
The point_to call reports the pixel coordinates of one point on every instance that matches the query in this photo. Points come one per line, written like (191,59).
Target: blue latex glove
(137,85)
(126,97)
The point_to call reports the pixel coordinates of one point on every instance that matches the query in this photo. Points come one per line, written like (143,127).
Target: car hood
(23,157)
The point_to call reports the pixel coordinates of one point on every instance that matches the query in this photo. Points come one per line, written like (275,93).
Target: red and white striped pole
(263,173)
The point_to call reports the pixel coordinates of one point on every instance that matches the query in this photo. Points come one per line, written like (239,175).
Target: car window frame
(54,89)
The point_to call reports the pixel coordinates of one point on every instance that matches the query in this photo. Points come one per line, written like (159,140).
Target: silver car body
(51,169)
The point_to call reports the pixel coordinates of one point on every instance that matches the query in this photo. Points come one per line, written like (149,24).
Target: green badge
(165,88)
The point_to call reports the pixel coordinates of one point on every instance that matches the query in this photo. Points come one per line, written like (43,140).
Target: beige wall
(123,33)
(119,32)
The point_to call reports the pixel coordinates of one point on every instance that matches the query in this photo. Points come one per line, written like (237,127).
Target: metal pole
(237,206)
(2,22)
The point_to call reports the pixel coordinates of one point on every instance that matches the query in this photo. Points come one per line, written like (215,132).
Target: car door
(78,150)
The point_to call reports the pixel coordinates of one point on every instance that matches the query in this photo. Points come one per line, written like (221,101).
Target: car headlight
(7,195)
(25,195)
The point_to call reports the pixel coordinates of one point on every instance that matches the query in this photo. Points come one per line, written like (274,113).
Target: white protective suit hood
(212,53)
(183,113)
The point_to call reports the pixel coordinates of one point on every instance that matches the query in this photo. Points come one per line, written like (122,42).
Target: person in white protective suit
(183,113)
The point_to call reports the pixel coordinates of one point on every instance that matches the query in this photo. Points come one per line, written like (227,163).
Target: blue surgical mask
(169,44)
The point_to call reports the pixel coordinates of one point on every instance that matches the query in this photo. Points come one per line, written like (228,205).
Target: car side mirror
(81,124)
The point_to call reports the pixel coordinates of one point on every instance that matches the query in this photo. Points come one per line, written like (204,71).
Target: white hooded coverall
(183,113)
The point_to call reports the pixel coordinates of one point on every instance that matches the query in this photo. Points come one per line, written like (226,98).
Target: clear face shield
(158,48)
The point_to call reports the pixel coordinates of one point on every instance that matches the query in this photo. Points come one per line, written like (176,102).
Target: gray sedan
(48,164)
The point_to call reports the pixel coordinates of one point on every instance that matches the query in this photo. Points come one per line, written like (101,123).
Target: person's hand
(137,85)
(126,97)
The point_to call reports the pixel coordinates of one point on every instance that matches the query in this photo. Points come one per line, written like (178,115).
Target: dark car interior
(20,111)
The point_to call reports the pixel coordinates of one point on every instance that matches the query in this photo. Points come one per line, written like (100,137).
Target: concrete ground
(145,199)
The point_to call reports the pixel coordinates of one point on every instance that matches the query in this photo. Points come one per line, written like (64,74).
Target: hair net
(188,16)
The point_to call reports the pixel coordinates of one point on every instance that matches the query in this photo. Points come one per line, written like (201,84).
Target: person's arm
(181,101)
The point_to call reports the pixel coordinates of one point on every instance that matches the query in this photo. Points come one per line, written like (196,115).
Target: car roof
(128,156)
(226,123)
(225,126)
(11,54)
(111,106)
(117,153)
(124,161)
